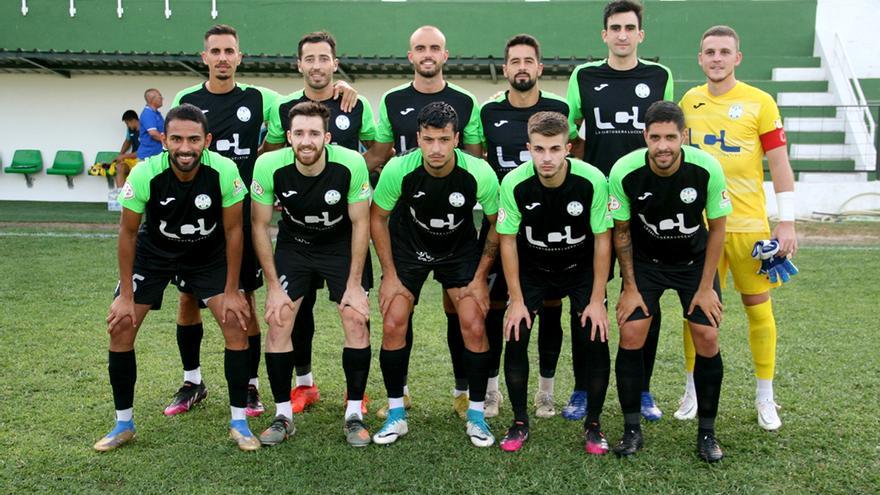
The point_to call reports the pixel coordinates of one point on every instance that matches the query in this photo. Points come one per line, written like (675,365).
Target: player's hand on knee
(120,309)
(349,95)
(479,290)
(276,301)
(517,314)
(235,303)
(630,300)
(388,290)
(707,300)
(355,297)
(597,315)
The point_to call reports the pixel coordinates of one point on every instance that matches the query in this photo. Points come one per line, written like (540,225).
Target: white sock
(255,382)
(193,376)
(458,393)
(353,408)
(492,384)
(237,413)
(765,390)
(283,409)
(305,380)
(406,390)
(689,387)
(395,402)
(124,414)
(546,384)
(476,406)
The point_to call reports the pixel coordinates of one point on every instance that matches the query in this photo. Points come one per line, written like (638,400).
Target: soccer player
(235,113)
(504,121)
(554,226)
(324,232)
(350,127)
(611,97)
(658,197)
(127,157)
(398,127)
(192,199)
(739,125)
(433,191)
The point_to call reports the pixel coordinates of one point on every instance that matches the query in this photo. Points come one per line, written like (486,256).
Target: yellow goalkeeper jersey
(737,128)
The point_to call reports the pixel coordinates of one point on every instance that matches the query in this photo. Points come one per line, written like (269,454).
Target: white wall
(853,21)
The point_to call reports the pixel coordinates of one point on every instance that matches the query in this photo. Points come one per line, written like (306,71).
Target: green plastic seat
(105,156)
(25,162)
(67,162)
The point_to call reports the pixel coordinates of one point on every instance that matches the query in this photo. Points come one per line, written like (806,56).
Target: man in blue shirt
(152,125)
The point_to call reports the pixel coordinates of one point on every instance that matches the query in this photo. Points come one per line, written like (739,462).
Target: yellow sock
(762,339)
(690,352)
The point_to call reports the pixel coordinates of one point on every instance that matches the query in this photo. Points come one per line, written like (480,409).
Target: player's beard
(174,158)
(523,86)
(429,72)
(321,84)
(669,159)
(319,152)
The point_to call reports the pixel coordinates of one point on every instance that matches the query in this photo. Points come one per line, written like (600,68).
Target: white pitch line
(82,235)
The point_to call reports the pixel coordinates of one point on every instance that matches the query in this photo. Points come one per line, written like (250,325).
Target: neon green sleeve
(574,99)
(669,94)
(600,217)
(384,134)
(232,188)
(473,131)
(269,98)
(368,125)
(275,131)
(359,185)
(509,216)
(618,203)
(388,189)
(487,184)
(263,183)
(136,192)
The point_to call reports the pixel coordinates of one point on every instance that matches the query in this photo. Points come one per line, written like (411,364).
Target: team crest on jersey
(342,122)
(501,215)
(688,195)
(613,203)
(256,188)
(456,199)
(332,197)
(203,201)
(643,90)
(574,208)
(127,191)
(237,186)
(735,111)
(365,190)
(243,114)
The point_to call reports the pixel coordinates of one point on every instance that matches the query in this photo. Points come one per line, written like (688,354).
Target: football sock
(408,348)
(393,364)
(193,376)
(238,414)
(762,339)
(628,369)
(546,384)
(284,409)
(764,390)
(495,334)
(478,406)
(235,367)
(254,381)
(124,414)
(356,365)
(122,368)
(598,369)
(395,402)
(549,340)
(492,383)
(651,342)
(279,367)
(304,333)
(708,374)
(516,373)
(306,379)
(455,342)
(189,343)
(254,353)
(353,408)
(579,360)
(476,365)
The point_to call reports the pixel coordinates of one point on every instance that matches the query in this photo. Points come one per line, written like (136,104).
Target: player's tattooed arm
(630,298)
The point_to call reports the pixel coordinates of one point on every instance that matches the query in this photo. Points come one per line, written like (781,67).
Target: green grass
(55,399)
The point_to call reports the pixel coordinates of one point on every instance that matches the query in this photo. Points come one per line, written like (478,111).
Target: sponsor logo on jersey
(600,87)
(187,228)
(735,111)
(456,199)
(237,186)
(127,191)
(619,118)
(669,224)
(643,90)
(645,196)
(501,215)
(418,194)
(288,194)
(205,111)
(574,208)
(532,206)
(711,140)
(500,123)
(408,110)
(202,202)
(688,195)
(256,187)
(698,105)
(342,122)
(232,144)
(332,197)
(554,237)
(436,223)
(243,114)
(165,201)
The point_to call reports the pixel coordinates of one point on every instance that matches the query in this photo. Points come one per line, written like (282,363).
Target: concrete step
(813,124)
(815,137)
(806,99)
(808,112)
(799,74)
(821,152)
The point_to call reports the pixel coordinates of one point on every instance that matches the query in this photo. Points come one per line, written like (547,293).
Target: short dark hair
(720,30)
(523,39)
(664,111)
(187,111)
(548,124)
(129,115)
(438,114)
(620,7)
(311,109)
(317,37)
(218,29)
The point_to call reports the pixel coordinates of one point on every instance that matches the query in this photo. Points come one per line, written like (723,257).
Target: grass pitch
(55,399)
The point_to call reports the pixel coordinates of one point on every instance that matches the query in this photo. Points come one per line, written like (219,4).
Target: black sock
(598,369)
(356,364)
(254,351)
(629,369)
(650,348)
(476,364)
(279,367)
(303,334)
(516,373)
(235,366)
(408,347)
(455,342)
(189,343)
(393,365)
(579,359)
(549,340)
(708,374)
(122,368)
(495,334)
